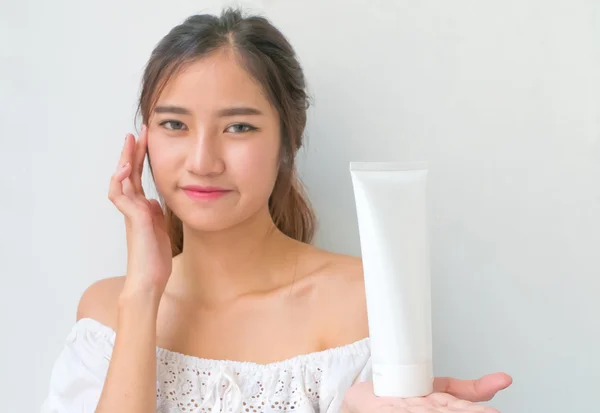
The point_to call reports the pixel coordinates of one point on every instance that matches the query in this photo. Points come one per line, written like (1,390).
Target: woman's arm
(130,385)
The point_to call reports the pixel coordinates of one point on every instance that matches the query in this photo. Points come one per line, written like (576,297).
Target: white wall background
(501,97)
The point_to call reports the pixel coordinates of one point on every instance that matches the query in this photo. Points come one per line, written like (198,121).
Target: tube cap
(403,380)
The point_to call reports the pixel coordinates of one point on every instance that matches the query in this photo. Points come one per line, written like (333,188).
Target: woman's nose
(205,157)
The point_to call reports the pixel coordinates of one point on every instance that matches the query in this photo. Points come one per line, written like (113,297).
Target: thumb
(479,390)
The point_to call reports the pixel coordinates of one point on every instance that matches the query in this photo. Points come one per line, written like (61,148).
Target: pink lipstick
(196,192)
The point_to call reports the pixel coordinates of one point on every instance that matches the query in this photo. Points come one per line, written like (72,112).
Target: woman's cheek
(255,164)
(165,160)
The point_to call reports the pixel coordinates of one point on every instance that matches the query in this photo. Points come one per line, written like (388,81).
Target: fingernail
(125,165)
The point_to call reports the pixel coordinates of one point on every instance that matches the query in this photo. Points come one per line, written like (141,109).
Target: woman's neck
(217,267)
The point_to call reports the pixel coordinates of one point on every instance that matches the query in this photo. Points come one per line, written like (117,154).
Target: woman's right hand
(361,399)
(148,245)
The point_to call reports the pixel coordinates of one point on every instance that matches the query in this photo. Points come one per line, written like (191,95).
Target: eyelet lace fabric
(308,383)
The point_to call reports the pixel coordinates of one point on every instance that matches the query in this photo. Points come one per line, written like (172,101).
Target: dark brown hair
(269,58)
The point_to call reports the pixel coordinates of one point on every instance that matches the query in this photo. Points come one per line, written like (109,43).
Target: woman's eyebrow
(177,110)
(232,111)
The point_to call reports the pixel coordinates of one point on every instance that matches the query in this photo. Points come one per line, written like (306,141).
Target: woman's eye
(240,128)
(173,125)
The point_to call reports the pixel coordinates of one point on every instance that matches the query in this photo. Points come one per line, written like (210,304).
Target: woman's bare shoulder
(341,293)
(100,301)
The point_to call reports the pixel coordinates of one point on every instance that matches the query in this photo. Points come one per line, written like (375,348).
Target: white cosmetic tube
(391,207)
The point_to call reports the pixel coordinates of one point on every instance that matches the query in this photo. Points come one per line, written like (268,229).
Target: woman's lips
(204,193)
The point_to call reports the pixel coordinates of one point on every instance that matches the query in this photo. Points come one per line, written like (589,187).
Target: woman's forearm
(130,385)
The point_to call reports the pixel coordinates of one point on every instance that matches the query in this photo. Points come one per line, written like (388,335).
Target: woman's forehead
(212,83)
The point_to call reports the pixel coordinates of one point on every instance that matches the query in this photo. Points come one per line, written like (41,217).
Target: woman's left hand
(450,394)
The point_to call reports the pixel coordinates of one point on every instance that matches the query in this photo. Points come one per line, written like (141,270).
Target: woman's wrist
(139,303)
(134,294)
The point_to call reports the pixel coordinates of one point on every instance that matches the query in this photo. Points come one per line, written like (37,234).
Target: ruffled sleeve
(353,366)
(80,370)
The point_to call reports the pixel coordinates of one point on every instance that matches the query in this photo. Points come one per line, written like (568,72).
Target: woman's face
(213,140)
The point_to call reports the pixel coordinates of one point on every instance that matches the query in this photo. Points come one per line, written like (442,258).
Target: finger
(127,157)
(463,389)
(123,156)
(480,390)
(115,191)
(138,160)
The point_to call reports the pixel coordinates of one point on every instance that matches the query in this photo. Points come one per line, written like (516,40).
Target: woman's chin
(210,225)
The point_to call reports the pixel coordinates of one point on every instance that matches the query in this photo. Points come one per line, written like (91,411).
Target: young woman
(225,305)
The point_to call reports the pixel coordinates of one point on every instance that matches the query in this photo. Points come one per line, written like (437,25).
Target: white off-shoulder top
(307,383)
